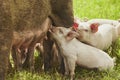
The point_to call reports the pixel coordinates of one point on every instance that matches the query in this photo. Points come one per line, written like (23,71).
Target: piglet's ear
(71,35)
(94,27)
(75,26)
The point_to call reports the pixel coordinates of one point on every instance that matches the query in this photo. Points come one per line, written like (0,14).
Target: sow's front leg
(5,38)
(47,46)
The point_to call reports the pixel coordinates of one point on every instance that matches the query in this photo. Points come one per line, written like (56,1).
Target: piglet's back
(92,57)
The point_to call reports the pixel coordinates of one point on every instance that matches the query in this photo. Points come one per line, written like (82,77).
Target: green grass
(109,9)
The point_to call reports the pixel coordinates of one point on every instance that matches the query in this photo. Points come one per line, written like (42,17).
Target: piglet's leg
(71,66)
(66,67)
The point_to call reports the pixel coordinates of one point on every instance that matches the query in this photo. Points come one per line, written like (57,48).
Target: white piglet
(74,51)
(100,33)
(104,21)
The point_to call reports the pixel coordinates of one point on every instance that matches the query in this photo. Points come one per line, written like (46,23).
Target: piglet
(99,33)
(74,51)
(104,21)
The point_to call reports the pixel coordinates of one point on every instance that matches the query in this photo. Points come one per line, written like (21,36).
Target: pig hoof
(72,77)
(66,73)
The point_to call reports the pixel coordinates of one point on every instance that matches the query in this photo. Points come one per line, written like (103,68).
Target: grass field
(109,9)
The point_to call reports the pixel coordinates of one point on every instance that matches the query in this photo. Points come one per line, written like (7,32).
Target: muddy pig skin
(75,52)
(20,39)
(23,45)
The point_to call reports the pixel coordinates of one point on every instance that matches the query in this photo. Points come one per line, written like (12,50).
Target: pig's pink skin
(108,32)
(104,21)
(75,51)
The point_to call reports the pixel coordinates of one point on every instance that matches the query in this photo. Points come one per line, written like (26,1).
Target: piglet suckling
(99,33)
(74,51)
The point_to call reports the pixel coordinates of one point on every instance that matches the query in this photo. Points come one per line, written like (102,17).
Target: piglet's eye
(60,31)
(86,30)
